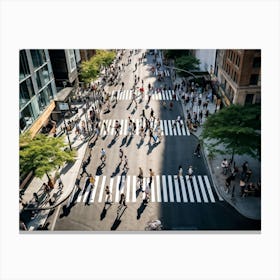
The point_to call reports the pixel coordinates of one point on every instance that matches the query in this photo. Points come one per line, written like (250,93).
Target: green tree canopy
(90,69)
(188,63)
(173,54)
(43,154)
(237,128)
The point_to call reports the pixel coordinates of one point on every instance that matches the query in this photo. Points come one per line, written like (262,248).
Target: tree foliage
(91,69)
(173,54)
(237,128)
(43,154)
(187,62)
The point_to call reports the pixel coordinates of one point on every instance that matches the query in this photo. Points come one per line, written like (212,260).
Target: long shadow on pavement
(118,219)
(141,209)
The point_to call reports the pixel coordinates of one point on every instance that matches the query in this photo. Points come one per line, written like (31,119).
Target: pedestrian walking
(140,177)
(180,172)
(84,166)
(91,180)
(225,166)
(151,174)
(190,172)
(125,167)
(242,185)
(123,200)
(170,106)
(103,155)
(147,194)
(197,150)
(248,175)
(244,169)
(228,182)
(108,195)
(105,128)
(121,155)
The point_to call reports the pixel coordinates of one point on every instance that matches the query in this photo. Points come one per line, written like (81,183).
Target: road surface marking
(94,189)
(127,188)
(170,127)
(208,187)
(190,190)
(178,128)
(158,188)
(183,188)
(82,191)
(177,191)
(102,189)
(202,189)
(171,195)
(165,127)
(113,127)
(117,196)
(197,194)
(164,188)
(133,199)
(152,191)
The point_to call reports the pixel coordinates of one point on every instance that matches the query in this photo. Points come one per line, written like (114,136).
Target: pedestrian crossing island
(164,189)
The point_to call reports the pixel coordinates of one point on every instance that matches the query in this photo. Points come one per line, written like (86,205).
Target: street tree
(235,128)
(187,62)
(90,69)
(173,54)
(43,154)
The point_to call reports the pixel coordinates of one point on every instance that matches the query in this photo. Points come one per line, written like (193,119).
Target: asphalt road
(180,204)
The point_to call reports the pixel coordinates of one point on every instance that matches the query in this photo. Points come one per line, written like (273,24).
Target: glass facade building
(36,86)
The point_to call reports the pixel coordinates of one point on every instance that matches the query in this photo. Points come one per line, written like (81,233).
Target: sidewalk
(68,175)
(249,206)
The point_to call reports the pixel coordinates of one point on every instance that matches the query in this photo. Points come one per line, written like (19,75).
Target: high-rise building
(36,90)
(239,76)
(207,59)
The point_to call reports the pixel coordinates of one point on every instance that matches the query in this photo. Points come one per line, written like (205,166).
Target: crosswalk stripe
(153,199)
(144,187)
(158,188)
(174,128)
(161,126)
(163,95)
(177,191)
(102,189)
(117,194)
(110,188)
(113,127)
(127,188)
(170,127)
(197,194)
(82,191)
(133,199)
(160,96)
(130,94)
(165,127)
(183,188)
(121,129)
(178,129)
(183,128)
(121,95)
(125,127)
(102,127)
(108,127)
(86,193)
(164,188)
(188,132)
(202,189)
(171,194)
(209,189)
(94,188)
(170,95)
(190,190)
(167,95)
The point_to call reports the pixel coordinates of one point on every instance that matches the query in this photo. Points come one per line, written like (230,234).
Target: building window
(26,92)
(44,98)
(234,76)
(42,76)
(26,117)
(24,70)
(257,62)
(254,79)
(38,57)
(237,60)
(249,98)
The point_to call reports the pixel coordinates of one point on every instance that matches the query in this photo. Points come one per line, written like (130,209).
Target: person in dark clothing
(197,150)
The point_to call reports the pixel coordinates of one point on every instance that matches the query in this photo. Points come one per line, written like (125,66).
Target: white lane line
(102,189)
(170,186)
(197,194)
(178,129)
(208,187)
(113,127)
(164,189)
(174,129)
(94,189)
(117,196)
(127,188)
(163,95)
(102,127)
(133,189)
(165,127)
(161,126)
(153,192)
(160,96)
(183,128)
(202,189)
(170,95)
(190,191)
(121,129)
(167,95)
(158,189)
(177,191)
(82,191)
(143,188)
(125,127)
(170,127)
(183,188)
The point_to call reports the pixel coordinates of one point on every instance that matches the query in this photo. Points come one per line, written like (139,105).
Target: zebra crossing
(164,188)
(167,127)
(162,72)
(155,95)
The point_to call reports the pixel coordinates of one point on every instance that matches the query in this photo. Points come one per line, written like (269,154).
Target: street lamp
(64,107)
